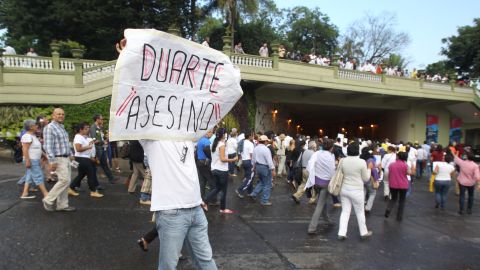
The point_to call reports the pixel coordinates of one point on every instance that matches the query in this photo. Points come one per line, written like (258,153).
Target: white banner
(168,88)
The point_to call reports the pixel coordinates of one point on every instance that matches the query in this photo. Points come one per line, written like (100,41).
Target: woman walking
(84,152)
(387,160)
(372,185)
(398,181)
(443,171)
(469,175)
(32,153)
(219,167)
(355,174)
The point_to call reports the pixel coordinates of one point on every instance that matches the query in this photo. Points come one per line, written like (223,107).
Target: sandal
(226,211)
(142,244)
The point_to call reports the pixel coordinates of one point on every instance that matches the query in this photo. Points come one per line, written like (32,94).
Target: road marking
(10,180)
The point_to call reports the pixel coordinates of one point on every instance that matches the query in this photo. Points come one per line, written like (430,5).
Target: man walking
(246,154)
(264,168)
(307,154)
(96,132)
(58,151)
(203,163)
(281,155)
(232,146)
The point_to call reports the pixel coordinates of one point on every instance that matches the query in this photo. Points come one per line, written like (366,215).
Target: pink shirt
(469,172)
(397,176)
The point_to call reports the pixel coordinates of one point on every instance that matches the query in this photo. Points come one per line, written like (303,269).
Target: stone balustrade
(251,60)
(357,75)
(98,72)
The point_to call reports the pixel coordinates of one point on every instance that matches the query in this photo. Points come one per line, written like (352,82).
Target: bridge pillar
(54,46)
(275,56)
(1,66)
(227,40)
(78,71)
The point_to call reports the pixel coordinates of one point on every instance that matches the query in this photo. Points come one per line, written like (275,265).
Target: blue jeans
(470,190)
(178,226)
(231,165)
(419,168)
(33,175)
(441,191)
(145,196)
(265,184)
(248,179)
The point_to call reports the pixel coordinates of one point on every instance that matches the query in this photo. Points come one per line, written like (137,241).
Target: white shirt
(9,50)
(35,149)
(217,164)
(84,142)
(444,170)
(232,145)
(205,43)
(387,160)
(32,54)
(349,65)
(263,51)
(421,154)
(247,150)
(174,183)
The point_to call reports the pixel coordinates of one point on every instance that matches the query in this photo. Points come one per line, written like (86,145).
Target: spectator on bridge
(32,154)
(263,51)
(341,63)
(281,51)
(31,52)
(355,174)
(349,64)
(9,50)
(239,48)
(468,177)
(84,154)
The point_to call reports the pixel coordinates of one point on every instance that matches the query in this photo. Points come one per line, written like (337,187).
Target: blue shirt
(204,141)
(56,141)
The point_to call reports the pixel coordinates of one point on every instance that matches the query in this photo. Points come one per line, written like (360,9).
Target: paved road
(102,234)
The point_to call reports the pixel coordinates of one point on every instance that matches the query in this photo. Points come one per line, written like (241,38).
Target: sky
(427,21)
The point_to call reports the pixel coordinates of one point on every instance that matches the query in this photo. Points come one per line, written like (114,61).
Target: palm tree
(350,48)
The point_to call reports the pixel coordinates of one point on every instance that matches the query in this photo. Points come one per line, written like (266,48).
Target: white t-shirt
(232,145)
(174,182)
(444,170)
(217,164)
(84,142)
(247,150)
(35,149)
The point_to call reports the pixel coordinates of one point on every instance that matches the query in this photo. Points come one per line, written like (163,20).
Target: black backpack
(240,147)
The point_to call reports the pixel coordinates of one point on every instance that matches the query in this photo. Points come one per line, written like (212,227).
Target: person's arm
(25,147)
(49,147)
(223,157)
(366,172)
(435,171)
(79,148)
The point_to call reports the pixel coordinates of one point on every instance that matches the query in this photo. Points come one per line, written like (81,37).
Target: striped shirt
(56,141)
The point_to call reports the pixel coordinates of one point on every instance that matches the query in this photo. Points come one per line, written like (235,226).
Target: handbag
(431,183)
(336,182)
(375,184)
(298,170)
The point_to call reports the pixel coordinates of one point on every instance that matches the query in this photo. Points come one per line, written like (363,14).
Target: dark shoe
(469,211)
(48,207)
(367,235)
(252,198)
(312,232)
(100,187)
(387,213)
(341,238)
(386,198)
(67,209)
(239,194)
(297,201)
(367,213)
(460,212)
(142,244)
(182,257)
(437,205)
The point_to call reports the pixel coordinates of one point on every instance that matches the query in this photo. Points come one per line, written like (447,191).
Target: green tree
(440,67)
(396,60)
(309,30)
(463,50)
(350,48)
(96,24)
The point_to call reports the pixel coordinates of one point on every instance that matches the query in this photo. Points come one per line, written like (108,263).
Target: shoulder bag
(336,182)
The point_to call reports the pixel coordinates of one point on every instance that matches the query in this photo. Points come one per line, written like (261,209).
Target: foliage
(378,36)
(350,48)
(75,114)
(463,50)
(395,60)
(207,28)
(12,117)
(251,108)
(229,122)
(253,34)
(310,30)
(440,67)
(97,24)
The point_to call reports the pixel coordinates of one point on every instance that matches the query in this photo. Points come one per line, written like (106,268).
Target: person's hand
(52,166)
(121,45)
(370,166)
(273,173)
(28,164)
(235,159)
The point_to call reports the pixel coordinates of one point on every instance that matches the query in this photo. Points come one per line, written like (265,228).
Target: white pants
(59,191)
(281,165)
(355,197)
(386,188)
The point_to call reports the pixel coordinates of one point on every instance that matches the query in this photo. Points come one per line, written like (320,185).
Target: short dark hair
(96,116)
(80,126)
(327,144)
(448,158)
(353,149)
(469,155)
(402,156)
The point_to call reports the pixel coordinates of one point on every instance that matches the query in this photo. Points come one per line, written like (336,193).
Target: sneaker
(387,213)
(367,235)
(72,192)
(297,201)
(78,189)
(226,211)
(266,203)
(100,187)
(239,194)
(312,232)
(341,238)
(28,197)
(337,205)
(67,209)
(95,194)
(145,202)
(437,205)
(47,206)
(312,201)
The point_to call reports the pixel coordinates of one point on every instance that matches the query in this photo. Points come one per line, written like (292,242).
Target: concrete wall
(267,120)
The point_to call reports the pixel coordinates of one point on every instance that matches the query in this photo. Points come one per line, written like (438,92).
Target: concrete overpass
(309,98)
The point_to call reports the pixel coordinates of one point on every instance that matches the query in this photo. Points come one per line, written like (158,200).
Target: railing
(20,61)
(251,60)
(437,86)
(356,75)
(99,71)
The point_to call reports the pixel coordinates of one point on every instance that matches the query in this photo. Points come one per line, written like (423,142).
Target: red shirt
(397,176)
(437,156)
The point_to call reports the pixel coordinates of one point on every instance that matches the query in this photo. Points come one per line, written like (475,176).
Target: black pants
(221,184)
(102,156)
(151,235)
(205,176)
(399,194)
(85,168)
